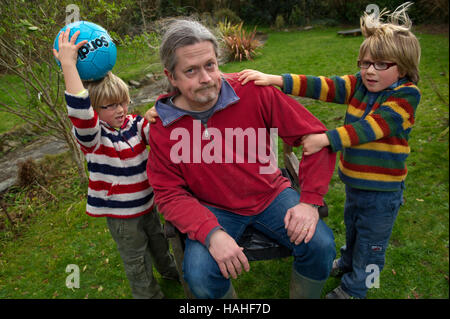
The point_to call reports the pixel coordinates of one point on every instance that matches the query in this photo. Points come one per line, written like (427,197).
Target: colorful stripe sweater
(116,161)
(374,139)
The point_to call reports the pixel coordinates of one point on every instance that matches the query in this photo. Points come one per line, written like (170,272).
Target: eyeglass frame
(388,64)
(114,106)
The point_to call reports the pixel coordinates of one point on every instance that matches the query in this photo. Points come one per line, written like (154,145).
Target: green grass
(52,234)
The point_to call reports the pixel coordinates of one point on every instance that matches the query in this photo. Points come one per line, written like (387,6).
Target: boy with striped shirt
(382,99)
(115,147)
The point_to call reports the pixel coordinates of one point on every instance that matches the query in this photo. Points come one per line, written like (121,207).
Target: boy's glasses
(114,106)
(380,66)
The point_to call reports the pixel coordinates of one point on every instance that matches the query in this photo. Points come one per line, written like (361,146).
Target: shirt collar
(169,114)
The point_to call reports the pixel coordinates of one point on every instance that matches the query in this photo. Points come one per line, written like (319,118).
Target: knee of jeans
(318,254)
(203,275)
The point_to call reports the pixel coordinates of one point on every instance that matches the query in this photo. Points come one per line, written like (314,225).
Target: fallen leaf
(419,199)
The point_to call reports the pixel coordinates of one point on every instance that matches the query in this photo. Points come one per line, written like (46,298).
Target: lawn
(53,233)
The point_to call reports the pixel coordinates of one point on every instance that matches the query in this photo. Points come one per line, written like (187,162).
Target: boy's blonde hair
(392,40)
(110,89)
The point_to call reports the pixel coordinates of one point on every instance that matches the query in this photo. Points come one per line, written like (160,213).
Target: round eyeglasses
(379,66)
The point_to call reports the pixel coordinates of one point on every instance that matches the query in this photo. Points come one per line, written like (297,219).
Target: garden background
(43,225)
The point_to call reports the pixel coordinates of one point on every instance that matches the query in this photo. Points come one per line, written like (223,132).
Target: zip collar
(169,115)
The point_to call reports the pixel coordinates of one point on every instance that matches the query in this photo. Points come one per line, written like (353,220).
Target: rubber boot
(304,288)
(231,293)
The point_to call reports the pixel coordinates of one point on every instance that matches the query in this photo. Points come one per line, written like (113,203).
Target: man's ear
(170,77)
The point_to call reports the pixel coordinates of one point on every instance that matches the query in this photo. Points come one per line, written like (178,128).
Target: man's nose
(204,76)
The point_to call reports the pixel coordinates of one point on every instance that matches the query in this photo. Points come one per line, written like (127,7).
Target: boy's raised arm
(67,56)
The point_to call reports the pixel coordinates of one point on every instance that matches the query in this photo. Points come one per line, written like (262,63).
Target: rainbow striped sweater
(116,160)
(374,138)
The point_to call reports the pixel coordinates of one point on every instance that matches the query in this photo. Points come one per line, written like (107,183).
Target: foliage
(304,12)
(279,22)
(225,14)
(241,44)
(226,28)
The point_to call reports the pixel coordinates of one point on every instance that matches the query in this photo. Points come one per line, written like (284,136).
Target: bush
(224,15)
(241,45)
(279,22)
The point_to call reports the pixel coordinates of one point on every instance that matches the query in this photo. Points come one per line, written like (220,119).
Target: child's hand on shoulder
(68,50)
(260,78)
(313,143)
(151,115)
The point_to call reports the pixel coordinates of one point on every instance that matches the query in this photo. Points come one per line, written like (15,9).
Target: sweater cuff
(78,102)
(208,238)
(287,83)
(311,198)
(335,140)
(205,230)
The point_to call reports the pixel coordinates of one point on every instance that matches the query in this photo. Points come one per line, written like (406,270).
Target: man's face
(196,76)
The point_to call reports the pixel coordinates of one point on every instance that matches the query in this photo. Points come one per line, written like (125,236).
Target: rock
(134,83)
(149,79)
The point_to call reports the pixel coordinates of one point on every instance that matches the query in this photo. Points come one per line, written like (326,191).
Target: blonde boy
(382,99)
(115,146)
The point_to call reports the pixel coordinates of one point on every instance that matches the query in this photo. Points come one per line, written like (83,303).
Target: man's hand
(151,115)
(300,222)
(228,255)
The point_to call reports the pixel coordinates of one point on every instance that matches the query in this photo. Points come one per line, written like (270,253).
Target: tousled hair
(179,33)
(392,40)
(110,89)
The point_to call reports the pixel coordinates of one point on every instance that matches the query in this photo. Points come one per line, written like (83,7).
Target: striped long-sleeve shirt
(374,138)
(116,161)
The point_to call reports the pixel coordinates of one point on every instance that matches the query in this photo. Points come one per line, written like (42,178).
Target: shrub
(241,45)
(225,14)
(279,22)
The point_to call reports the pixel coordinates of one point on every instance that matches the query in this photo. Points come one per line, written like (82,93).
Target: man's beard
(208,97)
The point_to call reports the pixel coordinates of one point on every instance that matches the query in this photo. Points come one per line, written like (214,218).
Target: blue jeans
(369,217)
(312,260)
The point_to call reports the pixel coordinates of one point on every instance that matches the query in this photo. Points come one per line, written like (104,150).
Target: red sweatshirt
(224,167)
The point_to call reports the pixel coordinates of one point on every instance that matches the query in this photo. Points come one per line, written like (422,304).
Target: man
(208,169)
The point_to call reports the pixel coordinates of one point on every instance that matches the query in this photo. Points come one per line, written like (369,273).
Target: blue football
(96,57)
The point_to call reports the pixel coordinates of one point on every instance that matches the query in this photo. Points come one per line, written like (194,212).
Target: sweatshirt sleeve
(174,200)
(294,121)
(394,117)
(86,127)
(336,89)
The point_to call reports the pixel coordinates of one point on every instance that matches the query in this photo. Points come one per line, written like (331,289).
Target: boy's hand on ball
(68,50)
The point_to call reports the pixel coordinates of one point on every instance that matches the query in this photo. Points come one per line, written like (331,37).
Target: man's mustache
(206,87)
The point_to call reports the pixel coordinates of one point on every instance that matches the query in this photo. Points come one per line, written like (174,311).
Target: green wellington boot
(304,288)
